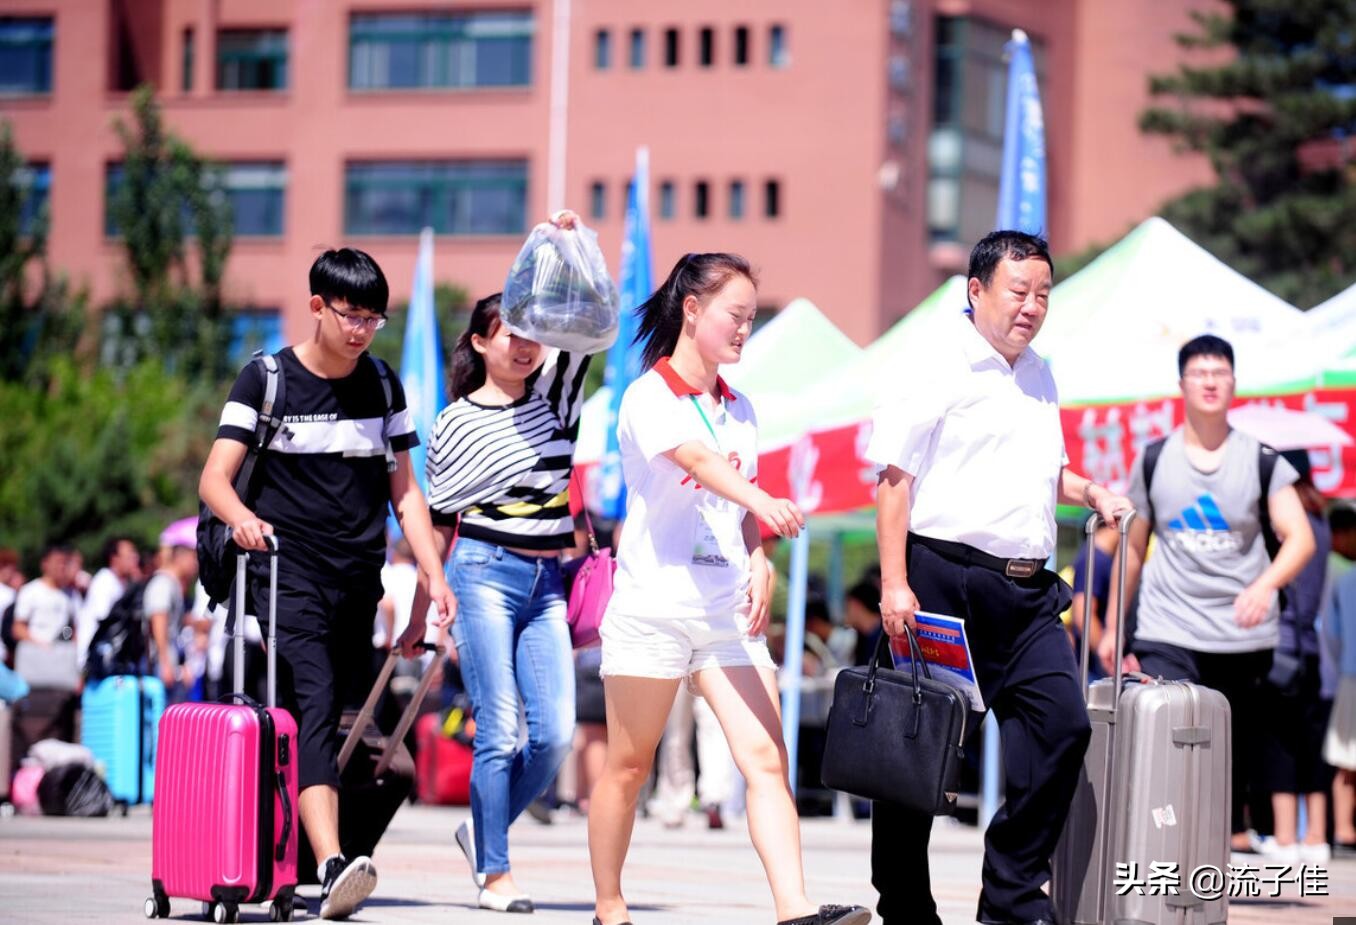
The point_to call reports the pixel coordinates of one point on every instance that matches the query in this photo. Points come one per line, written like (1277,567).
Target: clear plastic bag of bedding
(559,292)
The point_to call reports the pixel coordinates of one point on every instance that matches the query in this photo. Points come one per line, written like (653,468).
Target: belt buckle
(1020,568)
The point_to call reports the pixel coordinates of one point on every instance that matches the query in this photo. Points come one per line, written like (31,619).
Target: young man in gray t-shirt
(1208,603)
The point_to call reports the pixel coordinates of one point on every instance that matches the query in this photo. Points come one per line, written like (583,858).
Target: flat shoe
(496,903)
(833,915)
(596,922)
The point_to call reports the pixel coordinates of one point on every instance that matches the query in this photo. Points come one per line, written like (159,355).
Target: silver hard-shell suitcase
(1152,806)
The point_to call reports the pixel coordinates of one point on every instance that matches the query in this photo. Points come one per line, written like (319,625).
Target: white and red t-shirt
(682,550)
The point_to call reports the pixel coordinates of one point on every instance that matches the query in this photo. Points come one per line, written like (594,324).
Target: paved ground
(98,870)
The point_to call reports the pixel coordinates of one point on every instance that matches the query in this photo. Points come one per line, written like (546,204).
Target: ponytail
(661,315)
(468,366)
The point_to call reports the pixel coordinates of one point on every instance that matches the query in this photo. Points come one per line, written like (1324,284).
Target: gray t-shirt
(1209,547)
(164,594)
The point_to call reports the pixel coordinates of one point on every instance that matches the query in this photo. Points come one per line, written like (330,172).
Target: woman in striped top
(499,466)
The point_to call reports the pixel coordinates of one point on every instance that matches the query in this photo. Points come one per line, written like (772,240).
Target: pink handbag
(592,588)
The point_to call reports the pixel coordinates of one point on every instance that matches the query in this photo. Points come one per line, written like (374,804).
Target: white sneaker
(466,841)
(1282,854)
(1320,853)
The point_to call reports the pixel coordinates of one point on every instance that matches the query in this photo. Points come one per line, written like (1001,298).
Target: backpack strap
(384,372)
(1151,453)
(1266,467)
(269,421)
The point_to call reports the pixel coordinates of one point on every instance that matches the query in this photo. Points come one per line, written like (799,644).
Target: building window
(26,55)
(451,197)
(667,205)
(670,48)
(777,55)
(736,199)
(255,190)
(965,146)
(35,185)
(252,59)
(598,199)
(186,81)
(899,73)
(602,49)
(403,51)
(701,199)
(772,199)
(707,49)
(741,46)
(637,48)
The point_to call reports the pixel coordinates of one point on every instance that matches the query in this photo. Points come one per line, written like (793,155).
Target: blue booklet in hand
(946,649)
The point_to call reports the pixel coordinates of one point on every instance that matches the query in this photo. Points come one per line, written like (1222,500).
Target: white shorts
(1339,747)
(677,647)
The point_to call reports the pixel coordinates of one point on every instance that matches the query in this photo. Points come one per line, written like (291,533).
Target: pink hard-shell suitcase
(225,815)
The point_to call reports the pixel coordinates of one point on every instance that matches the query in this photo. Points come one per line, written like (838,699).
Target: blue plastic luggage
(120,717)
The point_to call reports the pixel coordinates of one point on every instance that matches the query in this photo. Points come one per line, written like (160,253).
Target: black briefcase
(896,736)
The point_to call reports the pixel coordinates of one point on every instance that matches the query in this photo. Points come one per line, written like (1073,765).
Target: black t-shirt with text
(322,482)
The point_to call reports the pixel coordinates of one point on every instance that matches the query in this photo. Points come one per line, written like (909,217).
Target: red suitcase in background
(442,765)
(225,816)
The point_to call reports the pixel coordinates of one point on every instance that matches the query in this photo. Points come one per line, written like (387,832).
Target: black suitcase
(376,772)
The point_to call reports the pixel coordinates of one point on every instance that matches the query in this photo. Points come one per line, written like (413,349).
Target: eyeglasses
(356,322)
(1204,375)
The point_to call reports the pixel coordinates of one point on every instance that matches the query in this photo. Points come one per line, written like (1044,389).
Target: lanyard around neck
(705,420)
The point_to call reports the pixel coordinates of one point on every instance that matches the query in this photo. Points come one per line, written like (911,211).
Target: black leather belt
(969,555)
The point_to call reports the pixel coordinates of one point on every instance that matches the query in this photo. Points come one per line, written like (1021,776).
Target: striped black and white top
(501,473)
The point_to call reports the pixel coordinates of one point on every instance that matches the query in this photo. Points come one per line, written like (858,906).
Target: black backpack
(7,632)
(216,563)
(121,644)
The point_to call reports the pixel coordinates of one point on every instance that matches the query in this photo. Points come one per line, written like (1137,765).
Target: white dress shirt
(982,440)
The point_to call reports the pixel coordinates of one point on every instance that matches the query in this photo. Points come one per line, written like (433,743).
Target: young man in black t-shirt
(323,487)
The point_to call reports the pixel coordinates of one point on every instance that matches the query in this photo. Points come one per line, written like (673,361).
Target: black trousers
(1238,676)
(324,657)
(1026,672)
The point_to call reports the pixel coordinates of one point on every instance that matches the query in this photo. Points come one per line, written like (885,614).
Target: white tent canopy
(1115,327)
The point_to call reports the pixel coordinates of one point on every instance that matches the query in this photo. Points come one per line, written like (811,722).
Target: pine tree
(1272,110)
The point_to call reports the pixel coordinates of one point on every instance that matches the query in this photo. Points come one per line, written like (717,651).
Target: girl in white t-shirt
(692,587)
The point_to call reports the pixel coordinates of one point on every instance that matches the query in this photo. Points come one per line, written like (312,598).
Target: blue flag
(1021,187)
(421,361)
(623,359)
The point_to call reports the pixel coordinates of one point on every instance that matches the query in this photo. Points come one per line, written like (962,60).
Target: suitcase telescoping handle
(1122,555)
(364,719)
(236,627)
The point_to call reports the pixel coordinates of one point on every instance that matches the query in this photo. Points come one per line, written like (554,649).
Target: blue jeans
(511,639)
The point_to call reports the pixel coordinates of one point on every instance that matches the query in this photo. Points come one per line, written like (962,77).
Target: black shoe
(1344,849)
(833,915)
(596,922)
(713,817)
(346,885)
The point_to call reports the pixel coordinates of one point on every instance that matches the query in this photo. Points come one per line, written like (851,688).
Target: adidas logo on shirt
(1201,528)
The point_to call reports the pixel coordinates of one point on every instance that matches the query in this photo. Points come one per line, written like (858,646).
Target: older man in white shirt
(973,464)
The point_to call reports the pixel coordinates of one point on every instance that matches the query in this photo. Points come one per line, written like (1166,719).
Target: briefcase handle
(1122,554)
(883,659)
(406,719)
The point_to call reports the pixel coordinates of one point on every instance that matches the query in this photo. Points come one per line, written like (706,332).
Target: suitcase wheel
(280,911)
(157,908)
(221,913)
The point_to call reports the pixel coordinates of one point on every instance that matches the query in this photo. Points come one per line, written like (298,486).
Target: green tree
(39,316)
(97,453)
(1272,112)
(167,194)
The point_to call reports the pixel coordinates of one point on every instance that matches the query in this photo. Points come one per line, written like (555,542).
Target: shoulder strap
(269,421)
(1151,453)
(1266,468)
(384,372)
(577,480)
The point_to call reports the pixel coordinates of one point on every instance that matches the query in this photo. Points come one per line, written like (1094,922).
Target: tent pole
(795,648)
(835,587)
